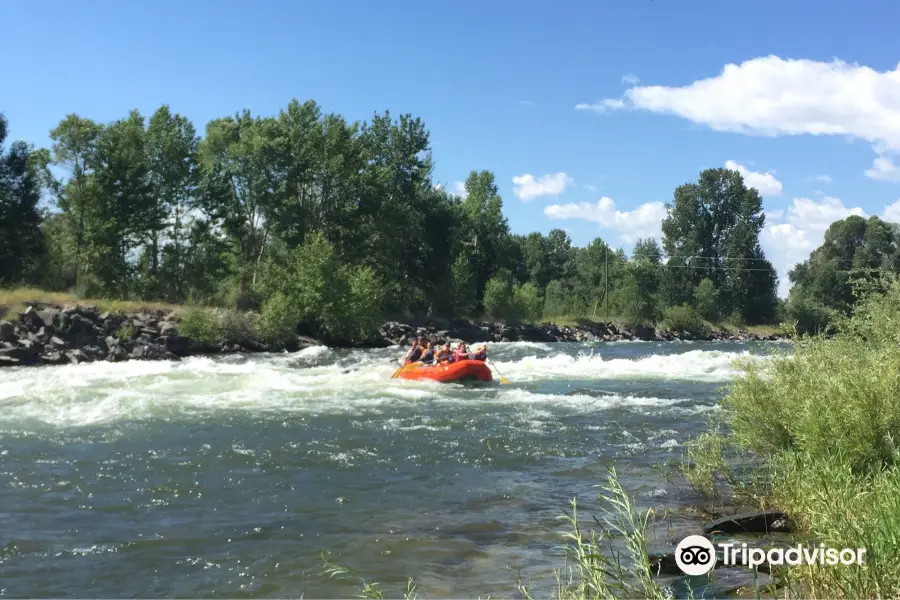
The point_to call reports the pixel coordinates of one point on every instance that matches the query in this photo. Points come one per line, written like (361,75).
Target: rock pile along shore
(47,334)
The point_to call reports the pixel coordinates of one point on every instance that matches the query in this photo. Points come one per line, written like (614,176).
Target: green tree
(171,147)
(74,142)
(712,231)
(121,209)
(499,298)
(854,248)
(527,301)
(484,226)
(330,299)
(22,246)
(705,300)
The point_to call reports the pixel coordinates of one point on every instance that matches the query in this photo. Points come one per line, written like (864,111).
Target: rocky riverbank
(46,334)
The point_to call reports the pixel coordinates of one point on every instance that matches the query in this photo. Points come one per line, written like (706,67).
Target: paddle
(502,378)
(397,372)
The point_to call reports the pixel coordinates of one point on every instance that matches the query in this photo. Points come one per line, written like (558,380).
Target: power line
(697,256)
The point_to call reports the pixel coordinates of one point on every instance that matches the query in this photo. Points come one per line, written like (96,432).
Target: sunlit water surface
(229,477)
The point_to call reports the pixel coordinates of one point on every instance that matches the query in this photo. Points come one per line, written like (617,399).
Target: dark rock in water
(176,344)
(7,331)
(56,342)
(663,563)
(751,522)
(30,344)
(76,356)
(644,333)
(53,358)
(152,352)
(721,583)
(93,352)
(306,342)
(21,354)
(117,354)
(255,345)
(8,361)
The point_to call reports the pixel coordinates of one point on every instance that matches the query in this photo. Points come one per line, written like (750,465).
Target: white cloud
(765,183)
(603,106)
(884,169)
(458,188)
(591,187)
(818,215)
(791,242)
(644,221)
(892,212)
(526,102)
(630,79)
(822,178)
(774,215)
(772,96)
(526,187)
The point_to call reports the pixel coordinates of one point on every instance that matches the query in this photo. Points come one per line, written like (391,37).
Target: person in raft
(427,353)
(461,353)
(415,352)
(480,352)
(442,354)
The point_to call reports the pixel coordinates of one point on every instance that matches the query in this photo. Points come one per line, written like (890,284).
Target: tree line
(305,216)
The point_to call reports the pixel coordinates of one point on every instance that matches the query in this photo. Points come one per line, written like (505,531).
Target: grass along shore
(822,425)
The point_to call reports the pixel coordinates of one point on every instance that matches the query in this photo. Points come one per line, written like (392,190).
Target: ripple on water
(228,477)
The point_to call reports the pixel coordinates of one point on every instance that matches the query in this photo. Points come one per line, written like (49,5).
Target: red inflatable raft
(464,370)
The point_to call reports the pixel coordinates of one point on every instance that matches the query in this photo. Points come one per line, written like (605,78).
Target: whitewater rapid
(320,380)
(231,475)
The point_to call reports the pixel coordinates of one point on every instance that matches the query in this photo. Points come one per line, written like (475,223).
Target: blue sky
(592,106)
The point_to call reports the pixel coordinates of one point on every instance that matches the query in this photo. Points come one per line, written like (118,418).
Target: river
(228,477)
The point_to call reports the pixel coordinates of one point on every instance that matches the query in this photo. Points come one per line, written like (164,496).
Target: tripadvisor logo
(696,555)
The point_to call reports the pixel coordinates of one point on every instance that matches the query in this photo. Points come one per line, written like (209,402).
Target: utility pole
(606,282)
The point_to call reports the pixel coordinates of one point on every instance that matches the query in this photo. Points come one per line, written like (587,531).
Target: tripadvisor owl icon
(695,555)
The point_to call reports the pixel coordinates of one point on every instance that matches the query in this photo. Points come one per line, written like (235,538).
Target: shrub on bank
(335,301)
(685,318)
(277,321)
(825,422)
(200,325)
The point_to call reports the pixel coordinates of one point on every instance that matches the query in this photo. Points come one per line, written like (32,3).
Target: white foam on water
(694,365)
(581,402)
(319,380)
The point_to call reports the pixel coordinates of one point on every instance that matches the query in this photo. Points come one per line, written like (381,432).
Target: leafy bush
(125,332)
(636,308)
(199,324)
(557,301)
(462,291)
(823,421)
(527,302)
(335,300)
(705,296)
(499,300)
(237,326)
(364,302)
(685,318)
(277,322)
(808,316)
